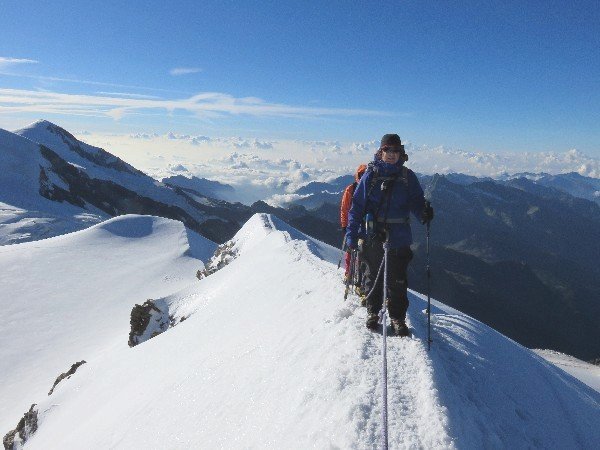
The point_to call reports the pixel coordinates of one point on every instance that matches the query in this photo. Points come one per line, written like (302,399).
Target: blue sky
(479,76)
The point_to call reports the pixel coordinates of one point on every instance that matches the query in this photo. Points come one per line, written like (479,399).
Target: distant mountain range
(202,186)
(571,183)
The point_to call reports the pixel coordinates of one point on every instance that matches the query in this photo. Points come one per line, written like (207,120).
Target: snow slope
(271,357)
(584,371)
(69,297)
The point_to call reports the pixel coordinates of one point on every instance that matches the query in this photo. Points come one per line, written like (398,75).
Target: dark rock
(67,374)
(148,321)
(224,254)
(24,430)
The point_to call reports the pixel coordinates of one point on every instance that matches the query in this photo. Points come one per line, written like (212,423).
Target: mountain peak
(42,127)
(43,122)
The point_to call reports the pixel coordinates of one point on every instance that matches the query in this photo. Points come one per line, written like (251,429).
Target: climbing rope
(383,322)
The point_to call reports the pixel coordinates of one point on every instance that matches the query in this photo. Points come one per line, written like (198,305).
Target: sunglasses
(395,149)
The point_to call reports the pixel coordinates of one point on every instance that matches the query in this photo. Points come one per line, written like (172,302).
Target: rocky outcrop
(14,439)
(66,374)
(148,321)
(55,193)
(224,254)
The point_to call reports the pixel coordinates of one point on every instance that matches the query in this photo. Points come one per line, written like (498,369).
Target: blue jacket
(406,197)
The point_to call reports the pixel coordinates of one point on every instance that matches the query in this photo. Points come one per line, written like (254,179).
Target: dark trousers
(397,283)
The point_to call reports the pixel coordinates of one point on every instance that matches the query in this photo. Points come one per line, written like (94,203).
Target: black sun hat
(392,140)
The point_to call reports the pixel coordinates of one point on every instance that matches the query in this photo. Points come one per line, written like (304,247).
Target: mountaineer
(381,206)
(344,208)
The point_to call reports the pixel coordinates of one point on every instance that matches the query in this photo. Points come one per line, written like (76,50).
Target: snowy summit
(261,353)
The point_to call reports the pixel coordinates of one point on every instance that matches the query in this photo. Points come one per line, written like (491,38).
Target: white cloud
(283,200)
(48,79)
(177,168)
(261,144)
(197,140)
(126,94)
(145,136)
(203,105)
(6,62)
(184,70)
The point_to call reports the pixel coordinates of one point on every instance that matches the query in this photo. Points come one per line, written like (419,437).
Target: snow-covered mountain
(49,176)
(269,355)
(571,183)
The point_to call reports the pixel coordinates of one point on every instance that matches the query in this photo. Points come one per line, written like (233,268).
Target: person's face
(390,155)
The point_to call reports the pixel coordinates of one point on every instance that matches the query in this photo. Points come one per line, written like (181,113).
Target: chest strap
(399,220)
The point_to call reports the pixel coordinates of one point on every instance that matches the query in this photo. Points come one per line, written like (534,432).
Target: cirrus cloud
(184,70)
(6,62)
(203,105)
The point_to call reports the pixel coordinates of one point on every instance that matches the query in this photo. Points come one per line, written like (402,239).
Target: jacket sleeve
(417,199)
(345,206)
(357,210)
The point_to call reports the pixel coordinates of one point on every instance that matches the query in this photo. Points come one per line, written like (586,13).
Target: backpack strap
(404,176)
(373,169)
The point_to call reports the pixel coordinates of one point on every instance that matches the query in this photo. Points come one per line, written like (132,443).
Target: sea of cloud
(274,169)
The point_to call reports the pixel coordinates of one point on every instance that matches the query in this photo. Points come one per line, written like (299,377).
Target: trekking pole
(428,289)
(383,322)
(343,251)
(350,274)
(356,274)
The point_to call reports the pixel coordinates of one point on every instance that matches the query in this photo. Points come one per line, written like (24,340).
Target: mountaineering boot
(400,328)
(372,321)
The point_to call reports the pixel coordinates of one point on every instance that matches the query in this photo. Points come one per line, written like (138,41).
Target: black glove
(427,214)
